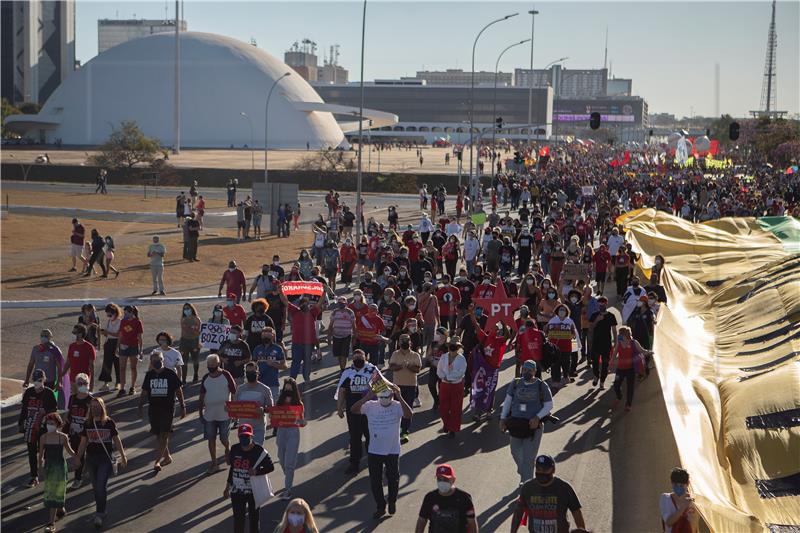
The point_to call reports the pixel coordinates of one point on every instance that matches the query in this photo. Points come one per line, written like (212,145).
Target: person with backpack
(528,400)
(678,511)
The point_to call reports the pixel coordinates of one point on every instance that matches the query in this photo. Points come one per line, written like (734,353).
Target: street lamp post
(252,148)
(472,104)
(359,213)
(266,149)
(494,99)
(533,14)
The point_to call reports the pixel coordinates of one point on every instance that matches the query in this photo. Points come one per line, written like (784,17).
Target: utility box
(273,195)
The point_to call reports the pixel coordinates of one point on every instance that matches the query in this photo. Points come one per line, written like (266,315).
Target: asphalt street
(617,462)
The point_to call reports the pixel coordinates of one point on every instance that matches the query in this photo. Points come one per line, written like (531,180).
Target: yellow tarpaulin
(727,348)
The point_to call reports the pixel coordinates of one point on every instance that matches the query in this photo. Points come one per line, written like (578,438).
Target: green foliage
(7,110)
(126,148)
(30,108)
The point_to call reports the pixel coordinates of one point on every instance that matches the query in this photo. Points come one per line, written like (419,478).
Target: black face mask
(405,345)
(359,363)
(544,478)
(158,363)
(453,347)
(527,376)
(304,307)
(251,376)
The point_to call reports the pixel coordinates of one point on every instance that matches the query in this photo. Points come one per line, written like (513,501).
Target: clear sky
(668,48)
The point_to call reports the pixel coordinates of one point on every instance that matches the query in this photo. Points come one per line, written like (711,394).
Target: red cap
(245,429)
(643,298)
(445,471)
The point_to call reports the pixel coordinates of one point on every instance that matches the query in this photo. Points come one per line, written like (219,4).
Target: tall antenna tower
(769,98)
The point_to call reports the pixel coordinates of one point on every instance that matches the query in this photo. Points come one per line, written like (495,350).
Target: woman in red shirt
(627,362)
(129,347)
(348,256)
(601,261)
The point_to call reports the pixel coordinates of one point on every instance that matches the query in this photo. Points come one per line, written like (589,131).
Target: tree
(7,110)
(787,153)
(126,148)
(30,108)
(720,129)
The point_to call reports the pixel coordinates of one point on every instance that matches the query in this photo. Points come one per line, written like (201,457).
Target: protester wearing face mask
(189,343)
(528,400)
(80,356)
(389,311)
(160,387)
(354,384)
(110,329)
(288,437)
(53,468)
(247,458)
(172,357)
(678,511)
(297,518)
(218,316)
(253,390)
(77,411)
(341,327)
(37,401)
(405,364)
(447,508)
(576,311)
(257,322)
(628,361)
(383,419)
(47,357)
(129,347)
(451,370)
(234,281)
(233,311)
(99,439)
(642,323)
(561,331)
(216,389)
(631,298)
(548,304)
(303,318)
(235,353)
(270,356)
(543,494)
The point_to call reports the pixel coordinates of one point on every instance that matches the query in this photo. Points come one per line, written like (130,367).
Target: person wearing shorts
(340,331)
(160,387)
(216,389)
(76,243)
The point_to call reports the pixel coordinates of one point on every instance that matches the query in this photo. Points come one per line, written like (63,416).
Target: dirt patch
(163,203)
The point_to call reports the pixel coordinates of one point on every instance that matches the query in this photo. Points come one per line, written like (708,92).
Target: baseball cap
(445,471)
(529,364)
(545,462)
(245,429)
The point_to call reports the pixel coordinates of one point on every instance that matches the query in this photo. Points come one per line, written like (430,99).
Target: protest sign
(295,288)
(378,383)
(479,219)
(587,190)
(244,409)
(213,335)
(285,416)
(575,271)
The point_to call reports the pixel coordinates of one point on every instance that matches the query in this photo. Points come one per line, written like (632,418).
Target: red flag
(626,157)
(544,151)
(713,147)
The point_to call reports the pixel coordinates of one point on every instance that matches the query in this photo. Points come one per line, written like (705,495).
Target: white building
(112,32)
(224,83)
(38,48)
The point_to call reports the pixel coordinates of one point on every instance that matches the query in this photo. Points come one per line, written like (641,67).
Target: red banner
(244,409)
(294,288)
(285,416)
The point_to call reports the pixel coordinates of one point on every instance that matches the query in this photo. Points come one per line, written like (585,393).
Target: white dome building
(221,78)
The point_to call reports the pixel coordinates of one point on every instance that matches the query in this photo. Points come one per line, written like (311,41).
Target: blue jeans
(301,355)
(214,427)
(98,466)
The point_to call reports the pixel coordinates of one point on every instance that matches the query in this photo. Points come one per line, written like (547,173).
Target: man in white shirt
(472,248)
(615,240)
(216,389)
(453,228)
(383,417)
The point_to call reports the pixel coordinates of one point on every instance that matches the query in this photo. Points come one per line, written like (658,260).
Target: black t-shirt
(372,292)
(77,410)
(237,350)
(389,312)
(447,514)
(254,325)
(601,338)
(161,388)
(100,434)
(547,506)
(241,462)
(275,311)
(469,337)
(466,288)
(356,383)
(276,271)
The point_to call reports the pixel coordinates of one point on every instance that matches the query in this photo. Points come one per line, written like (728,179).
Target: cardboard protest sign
(244,409)
(213,335)
(296,288)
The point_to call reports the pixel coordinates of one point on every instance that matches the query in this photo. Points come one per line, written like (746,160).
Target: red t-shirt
(413,251)
(304,328)
(81,357)
(368,329)
(234,281)
(601,259)
(236,315)
(129,331)
(625,357)
(530,343)
(448,297)
(77,235)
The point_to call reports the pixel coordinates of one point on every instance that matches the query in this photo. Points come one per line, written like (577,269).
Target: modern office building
(619,87)
(451,77)
(428,112)
(111,32)
(566,83)
(625,118)
(38,48)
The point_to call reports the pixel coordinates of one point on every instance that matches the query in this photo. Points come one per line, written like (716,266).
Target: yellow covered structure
(727,349)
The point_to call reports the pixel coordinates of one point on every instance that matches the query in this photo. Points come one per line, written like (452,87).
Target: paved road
(617,463)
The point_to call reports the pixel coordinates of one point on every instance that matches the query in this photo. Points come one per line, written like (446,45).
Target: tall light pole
(472,104)
(533,14)
(360,126)
(559,60)
(252,148)
(266,126)
(494,99)
(176,116)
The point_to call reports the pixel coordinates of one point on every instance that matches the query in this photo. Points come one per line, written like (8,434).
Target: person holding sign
(288,432)
(253,391)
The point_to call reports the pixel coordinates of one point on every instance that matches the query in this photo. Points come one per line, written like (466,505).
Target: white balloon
(672,139)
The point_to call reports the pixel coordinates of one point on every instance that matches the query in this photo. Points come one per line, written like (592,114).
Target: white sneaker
(417,403)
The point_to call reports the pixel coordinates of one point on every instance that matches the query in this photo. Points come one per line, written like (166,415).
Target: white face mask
(412,307)
(444,486)
(296,519)
(51,428)
(187,312)
(562,314)
(573,300)
(231,269)
(386,402)
(83,389)
(232,336)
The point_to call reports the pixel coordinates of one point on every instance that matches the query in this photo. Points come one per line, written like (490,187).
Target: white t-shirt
(667,507)
(453,228)
(172,358)
(217,390)
(384,427)
(614,242)
(471,249)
